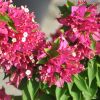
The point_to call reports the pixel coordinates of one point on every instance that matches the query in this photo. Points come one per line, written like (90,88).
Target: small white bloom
(25,34)
(31,57)
(33,61)
(28,72)
(74,54)
(37,79)
(22,7)
(26,10)
(11,5)
(14,40)
(23,39)
(40,67)
(33,20)
(75,30)
(9,27)
(11,1)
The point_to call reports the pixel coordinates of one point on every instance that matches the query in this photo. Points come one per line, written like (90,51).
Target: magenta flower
(83,25)
(60,69)
(82,21)
(98,48)
(3,96)
(19,49)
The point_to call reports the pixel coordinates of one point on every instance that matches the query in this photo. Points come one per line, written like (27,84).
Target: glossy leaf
(59,92)
(81,84)
(25,92)
(93,89)
(56,44)
(92,69)
(74,92)
(45,97)
(30,89)
(33,87)
(43,60)
(64,97)
(69,3)
(98,76)
(8,20)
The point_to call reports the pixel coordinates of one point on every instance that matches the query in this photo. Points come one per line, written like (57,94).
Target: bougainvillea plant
(66,68)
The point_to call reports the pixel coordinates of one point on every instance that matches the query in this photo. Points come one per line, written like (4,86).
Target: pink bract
(61,68)
(19,49)
(3,96)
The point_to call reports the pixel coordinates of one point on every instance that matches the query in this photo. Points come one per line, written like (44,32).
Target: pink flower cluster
(60,69)
(3,96)
(83,28)
(19,49)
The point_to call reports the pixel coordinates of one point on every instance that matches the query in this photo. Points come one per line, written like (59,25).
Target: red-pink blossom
(98,48)
(82,21)
(19,49)
(60,69)
(3,96)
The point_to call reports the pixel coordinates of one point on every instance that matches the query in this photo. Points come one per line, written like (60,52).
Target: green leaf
(11,24)
(8,20)
(59,92)
(16,98)
(74,92)
(75,95)
(4,18)
(92,69)
(25,95)
(69,3)
(93,89)
(87,14)
(63,10)
(30,89)
(56,44)
(51,52)
(66,9)
(25,92)
(64,97)
(43,60)
(93,44)
(33,87)
(80,83)
(98,76)
(45,97)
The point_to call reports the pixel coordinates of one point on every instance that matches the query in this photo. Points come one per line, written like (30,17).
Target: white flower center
(33,61)
(25,9)
(40,67)
(28,72)
(75,30)
(23,39)
(33,20)
(25,34)
(14,40)
(31,57)
(74,54)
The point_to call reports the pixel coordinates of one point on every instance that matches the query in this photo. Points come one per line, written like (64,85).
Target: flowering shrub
(19,48)
(66,68)
(60,69)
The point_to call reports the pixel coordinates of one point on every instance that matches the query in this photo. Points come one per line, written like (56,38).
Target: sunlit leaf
(92,69)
